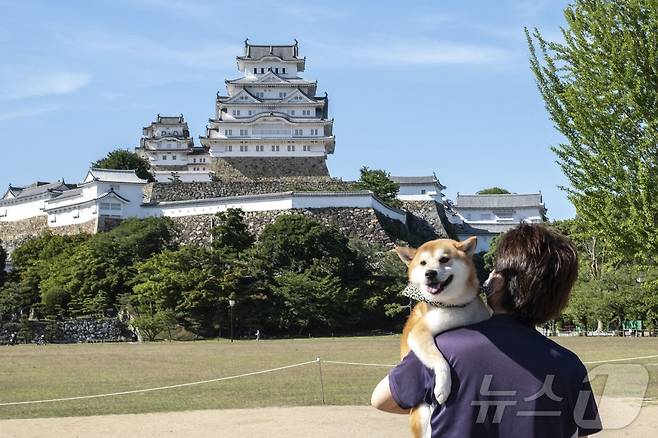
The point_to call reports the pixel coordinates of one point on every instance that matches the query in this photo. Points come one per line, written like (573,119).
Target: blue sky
(414,87)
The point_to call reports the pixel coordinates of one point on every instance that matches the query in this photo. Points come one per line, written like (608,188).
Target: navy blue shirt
(508,380)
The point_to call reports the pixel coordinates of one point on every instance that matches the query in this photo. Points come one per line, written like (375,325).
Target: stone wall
(429,218)
(13,234)
(255,167)
(358,223)
(219,189)
(70,331)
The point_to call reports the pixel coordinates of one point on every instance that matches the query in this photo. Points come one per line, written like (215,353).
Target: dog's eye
(423,263)
(444,259)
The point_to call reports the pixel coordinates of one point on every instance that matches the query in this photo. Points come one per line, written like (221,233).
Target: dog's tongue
(433,288)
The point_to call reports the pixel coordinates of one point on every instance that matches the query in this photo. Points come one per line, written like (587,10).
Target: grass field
(30,372)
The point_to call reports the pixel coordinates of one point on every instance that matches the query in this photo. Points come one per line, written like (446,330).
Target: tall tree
(231,234)
(125,160)
(493,191)
(379,182)
(600,86)
(3,264)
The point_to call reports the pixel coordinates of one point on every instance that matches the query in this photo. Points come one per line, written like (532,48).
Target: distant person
(258,335)
(508,380)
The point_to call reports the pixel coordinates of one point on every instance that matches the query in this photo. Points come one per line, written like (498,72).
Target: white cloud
(28,112)
(419,52)
(44,84)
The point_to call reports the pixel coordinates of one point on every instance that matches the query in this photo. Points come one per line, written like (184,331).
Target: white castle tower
(271,123)
(167,145)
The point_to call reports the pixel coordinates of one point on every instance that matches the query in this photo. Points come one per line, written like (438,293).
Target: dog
(444,278)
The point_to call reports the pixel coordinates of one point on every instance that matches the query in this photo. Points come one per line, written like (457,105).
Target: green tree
(231,234)
(493,191)
(3,264)
(600,87)
(125,160)
(294,242)
(379,182)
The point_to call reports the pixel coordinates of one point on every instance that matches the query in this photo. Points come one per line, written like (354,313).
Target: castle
(264,151)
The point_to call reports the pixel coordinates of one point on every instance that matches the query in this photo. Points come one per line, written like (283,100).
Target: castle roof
(417,180)
(113,175)
(511,200)
(169,120)
(286,52)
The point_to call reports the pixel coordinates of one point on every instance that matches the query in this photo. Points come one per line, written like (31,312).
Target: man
(508,380)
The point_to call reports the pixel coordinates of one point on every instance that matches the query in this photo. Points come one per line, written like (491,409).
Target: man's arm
(382,398)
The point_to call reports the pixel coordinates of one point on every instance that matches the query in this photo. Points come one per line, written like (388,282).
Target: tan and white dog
(447,286)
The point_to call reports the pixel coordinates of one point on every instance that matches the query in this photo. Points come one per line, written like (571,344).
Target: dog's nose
(431,273)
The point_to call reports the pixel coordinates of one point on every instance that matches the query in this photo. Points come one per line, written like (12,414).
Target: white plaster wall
(72,216)
(520,214)
(484,241)
(23,210)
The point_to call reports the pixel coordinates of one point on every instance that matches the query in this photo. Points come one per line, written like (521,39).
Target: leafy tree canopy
(493,191)
(379,182)
(600,87)
(231,233)
(123,159)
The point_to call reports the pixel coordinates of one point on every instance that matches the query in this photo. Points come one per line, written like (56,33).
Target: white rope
(358,363)
(180,385)
(621,360)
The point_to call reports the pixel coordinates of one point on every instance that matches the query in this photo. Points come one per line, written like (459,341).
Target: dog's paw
(442,385)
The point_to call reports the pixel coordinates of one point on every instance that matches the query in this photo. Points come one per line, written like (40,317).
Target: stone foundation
(258,167)
(70,331)
(364,224)
(429,218)
(13,234)
(220,189)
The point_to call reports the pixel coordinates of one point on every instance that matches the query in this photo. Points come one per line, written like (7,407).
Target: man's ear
(405,253)
(468,245)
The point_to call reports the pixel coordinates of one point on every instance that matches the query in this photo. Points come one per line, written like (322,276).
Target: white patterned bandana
(412,291)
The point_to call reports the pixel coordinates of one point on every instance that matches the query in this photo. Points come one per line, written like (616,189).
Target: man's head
(534,272)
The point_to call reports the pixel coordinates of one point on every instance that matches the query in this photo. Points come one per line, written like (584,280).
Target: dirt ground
(316,422)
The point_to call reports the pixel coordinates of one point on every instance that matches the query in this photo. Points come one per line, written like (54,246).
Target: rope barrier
(160,388)
(359,364)
(620,360)
(255,373)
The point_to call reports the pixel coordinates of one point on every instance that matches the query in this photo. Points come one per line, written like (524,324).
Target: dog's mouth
(437,287)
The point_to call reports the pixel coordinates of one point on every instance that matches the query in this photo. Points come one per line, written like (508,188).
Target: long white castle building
(269,125)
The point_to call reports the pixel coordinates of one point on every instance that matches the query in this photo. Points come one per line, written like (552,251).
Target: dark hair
(540,267)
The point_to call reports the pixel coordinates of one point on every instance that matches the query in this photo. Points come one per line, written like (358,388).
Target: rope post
(321,379)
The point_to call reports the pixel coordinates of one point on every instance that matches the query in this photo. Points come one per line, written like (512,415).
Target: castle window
(250,112)
(276,70)
(299,132)
(292,112)
(284,70)
(244,148)
(229,148)
(269,68)
(255,70)
(423,191)
(262,70)
(228,132)
(175,132)
(244,132)
(282,94)
(164,158)
(314,132)
(291,148)
(173,157)
(236,112)
(194,160)
(275,148)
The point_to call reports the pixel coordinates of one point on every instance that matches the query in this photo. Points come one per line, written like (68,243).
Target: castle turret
(167,145)
(271,123)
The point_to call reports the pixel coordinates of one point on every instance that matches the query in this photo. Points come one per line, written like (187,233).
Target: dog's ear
(468,245)
(405,253)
